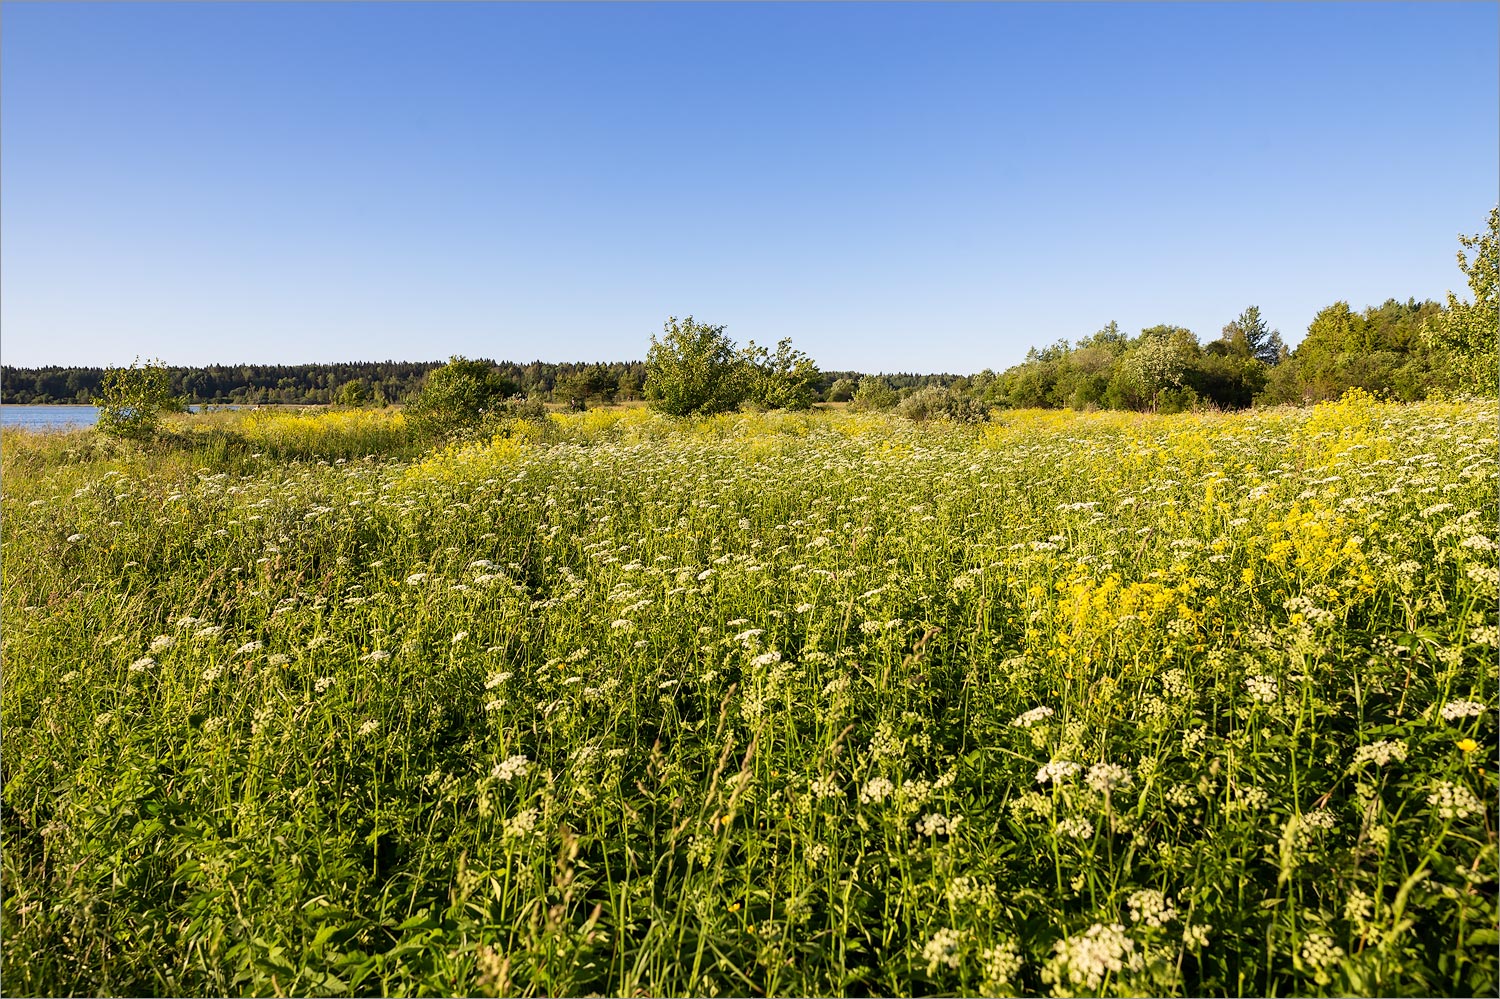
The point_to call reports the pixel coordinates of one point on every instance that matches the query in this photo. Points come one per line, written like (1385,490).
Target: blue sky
(896,187)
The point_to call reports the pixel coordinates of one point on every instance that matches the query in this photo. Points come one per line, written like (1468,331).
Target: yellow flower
(1468,745)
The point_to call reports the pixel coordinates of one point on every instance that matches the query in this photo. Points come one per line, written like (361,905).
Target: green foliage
(937,403)
(763,705)
(459,396)
(787,379)
(1250,337)
(1468,334)
(694,369)
(842,390)
(584,385)
(355,393)
(134,398)
(874,393)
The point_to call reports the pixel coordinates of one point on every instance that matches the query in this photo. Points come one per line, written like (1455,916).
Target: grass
(827,704)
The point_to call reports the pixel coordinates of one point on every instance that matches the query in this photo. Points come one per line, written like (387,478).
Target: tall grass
(774,704)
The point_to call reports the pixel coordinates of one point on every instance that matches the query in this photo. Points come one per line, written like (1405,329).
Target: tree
(1467,332)
(354,393)
(629,387)
(787,379)
(693,368)
(1249,336)
(1159,360)
(842,390)
(576,388)
(133,399)
(874,392)
(458,395)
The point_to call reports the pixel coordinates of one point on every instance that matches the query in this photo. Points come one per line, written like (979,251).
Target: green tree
(355,392)
(1159,361)
(842,390)
(693,368)
(132,399)
(458,396)
(787,379)
(874,392)
(629,387)
(1249,336)
(1467,332)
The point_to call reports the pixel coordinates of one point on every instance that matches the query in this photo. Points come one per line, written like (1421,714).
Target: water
(48,417)
(58,417)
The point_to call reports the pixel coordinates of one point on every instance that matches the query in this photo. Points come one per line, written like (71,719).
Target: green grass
(754,705)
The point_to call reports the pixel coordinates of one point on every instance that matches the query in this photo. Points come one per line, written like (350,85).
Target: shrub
(133,399)
(694,369)
(937,403)
(873,393)
(458,397)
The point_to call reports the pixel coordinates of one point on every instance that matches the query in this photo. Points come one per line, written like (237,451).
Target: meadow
(824,704)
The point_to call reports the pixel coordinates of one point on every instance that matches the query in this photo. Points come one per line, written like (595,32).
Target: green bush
(694,369)
(458,397)
(133,399)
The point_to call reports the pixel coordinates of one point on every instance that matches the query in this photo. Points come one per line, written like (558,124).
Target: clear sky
(896,187)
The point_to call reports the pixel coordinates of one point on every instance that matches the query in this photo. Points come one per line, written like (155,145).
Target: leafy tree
(133,399)
(1467,332)
(459,395)
(874,392)
(355,392)
(693,368)
(1159,360)
(1249,336)
(787,379)
(842,390)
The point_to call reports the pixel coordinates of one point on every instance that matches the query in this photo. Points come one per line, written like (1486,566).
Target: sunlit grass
(767,704)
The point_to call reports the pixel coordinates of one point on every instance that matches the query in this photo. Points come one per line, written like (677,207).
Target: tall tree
(1250,336)
(1467,332)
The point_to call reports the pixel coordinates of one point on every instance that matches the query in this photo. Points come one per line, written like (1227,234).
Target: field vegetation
(794,704)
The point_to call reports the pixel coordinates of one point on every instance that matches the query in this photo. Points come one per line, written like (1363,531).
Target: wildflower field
(797,705)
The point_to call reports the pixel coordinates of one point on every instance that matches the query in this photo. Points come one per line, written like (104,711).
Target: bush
(937,403)
(458,397)
(694,369)
(873,393)
(133,399)
(842,390)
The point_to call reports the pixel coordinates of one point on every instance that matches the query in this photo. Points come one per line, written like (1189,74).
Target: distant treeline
(1381,349)
(373,382)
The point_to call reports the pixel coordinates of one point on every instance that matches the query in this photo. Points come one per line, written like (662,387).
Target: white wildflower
(999,965)
(1086,960)
(1454,801)
(944,950)
(938,825)
(877,789)
(511,767)
(1261,688)
(1105,777)
(1057,771)
(1026,719)
(1454,710)
(1150,907)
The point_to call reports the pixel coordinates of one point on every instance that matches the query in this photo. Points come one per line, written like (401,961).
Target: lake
(48,417)
(60,417)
